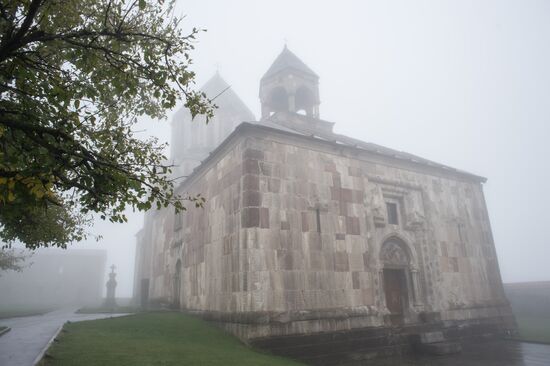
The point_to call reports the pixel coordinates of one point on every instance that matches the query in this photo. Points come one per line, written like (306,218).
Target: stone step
(431,337)
(277,342)
(344,346)
(357,357)
(434,343)
(318,338)
(440,348)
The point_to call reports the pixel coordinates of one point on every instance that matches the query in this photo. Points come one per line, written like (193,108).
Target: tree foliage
(10,260)
(74,77)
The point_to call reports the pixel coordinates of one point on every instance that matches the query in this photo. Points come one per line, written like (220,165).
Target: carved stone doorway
(396,270)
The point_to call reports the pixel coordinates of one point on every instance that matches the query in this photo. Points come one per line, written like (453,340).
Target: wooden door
(395,290)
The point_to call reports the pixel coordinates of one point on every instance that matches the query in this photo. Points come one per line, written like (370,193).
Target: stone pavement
(490,353)
(29,335)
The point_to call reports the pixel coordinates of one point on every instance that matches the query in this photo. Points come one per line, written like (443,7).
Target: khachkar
(111,287)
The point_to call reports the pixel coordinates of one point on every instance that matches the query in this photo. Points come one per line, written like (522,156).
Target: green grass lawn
(164,338)
(533,328)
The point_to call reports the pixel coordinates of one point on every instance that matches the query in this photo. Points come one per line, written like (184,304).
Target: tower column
(292,101)
(265,111)
(315,112)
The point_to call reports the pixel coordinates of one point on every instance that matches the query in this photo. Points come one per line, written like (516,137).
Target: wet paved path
(29,335)
(495,353)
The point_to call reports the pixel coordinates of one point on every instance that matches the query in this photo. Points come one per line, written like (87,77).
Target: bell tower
(289,85)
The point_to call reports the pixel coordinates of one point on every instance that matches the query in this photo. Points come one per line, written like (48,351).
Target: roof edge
(246,126)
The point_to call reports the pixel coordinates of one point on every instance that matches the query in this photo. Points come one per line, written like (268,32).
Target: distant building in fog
(193,140)
(56,277)
(306,232)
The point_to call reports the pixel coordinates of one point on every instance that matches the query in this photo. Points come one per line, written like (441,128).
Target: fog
(463,83)
(54,278)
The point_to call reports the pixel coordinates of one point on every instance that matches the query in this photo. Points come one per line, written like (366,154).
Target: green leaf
(81,106)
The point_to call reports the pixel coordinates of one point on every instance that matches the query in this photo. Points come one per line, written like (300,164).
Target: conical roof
(224,97)
(214,85)
(288,60)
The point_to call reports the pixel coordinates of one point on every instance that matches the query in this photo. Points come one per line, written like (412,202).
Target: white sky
(464,83)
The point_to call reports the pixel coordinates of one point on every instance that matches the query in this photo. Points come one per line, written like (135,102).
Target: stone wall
(295,238)
(202,239)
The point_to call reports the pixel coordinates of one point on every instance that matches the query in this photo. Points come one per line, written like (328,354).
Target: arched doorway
(395,260)
(177,285)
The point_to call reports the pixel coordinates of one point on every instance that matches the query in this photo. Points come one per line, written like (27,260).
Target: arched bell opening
(278,100)
(305,101)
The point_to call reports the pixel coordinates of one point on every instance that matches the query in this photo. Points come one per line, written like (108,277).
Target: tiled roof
(361,145)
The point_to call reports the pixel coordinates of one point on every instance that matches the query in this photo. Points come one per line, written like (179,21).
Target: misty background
(463,83)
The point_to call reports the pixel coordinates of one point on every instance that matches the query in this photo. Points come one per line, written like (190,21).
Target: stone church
(313,244)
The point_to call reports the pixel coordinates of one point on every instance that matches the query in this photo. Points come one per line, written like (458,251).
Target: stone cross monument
(110,300)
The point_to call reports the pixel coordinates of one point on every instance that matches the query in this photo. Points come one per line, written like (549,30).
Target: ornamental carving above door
(394,254)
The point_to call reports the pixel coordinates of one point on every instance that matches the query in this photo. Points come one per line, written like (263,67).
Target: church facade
(307,234)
